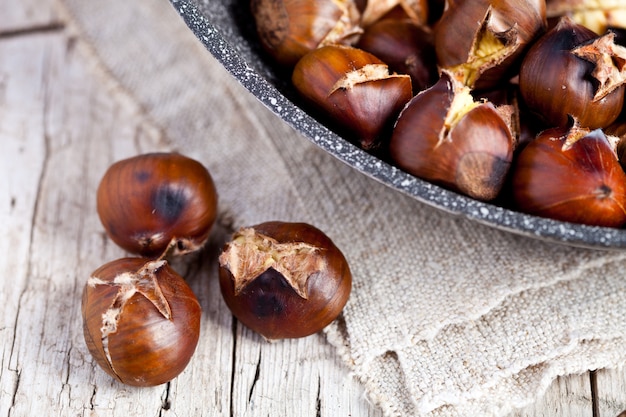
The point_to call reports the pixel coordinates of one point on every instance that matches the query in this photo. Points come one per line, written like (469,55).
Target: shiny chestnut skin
(289,29)
(355,89)
(284,280)
(481,41)
(557,83)
(445,137)
(141,321)
(148,202)
(406,47)
(573,175)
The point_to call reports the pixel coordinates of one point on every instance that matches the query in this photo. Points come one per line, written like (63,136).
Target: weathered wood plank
(63,127)
(292,377)
(21,164)
(58,121)
(62,122)
(20,16)
(611,391)
(566,397)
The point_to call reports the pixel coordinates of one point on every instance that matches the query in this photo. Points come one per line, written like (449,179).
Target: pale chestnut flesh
(482,41)
(598,15)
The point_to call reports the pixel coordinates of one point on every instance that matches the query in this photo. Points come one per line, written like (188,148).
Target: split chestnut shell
(284,280)
(482,41)
(141,321)
(355,89)
(289,29)
(406,47)
(571,72)
(573,175)
(445,137)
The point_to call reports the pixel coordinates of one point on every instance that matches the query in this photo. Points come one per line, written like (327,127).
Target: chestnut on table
(284,280)
(141,321)
(59,106)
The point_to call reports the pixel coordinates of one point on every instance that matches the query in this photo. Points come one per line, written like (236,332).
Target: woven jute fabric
(447,317)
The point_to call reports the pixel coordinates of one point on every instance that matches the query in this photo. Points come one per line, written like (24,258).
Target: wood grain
(567,396)
(62,124)
(610,389)
(63,121)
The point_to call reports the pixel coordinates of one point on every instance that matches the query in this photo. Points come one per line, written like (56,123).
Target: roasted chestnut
(151,202)
(446,137)
(481,42)
(406,47)
(284,280)
(141,321)
(571,174)
(288,29)
(571,71)
(355,89)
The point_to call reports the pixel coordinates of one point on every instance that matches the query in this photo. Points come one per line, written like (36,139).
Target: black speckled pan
(226,29)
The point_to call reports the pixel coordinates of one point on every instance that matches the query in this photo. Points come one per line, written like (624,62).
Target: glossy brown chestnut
(571,174)
(446,137)
(149,202)
(141,321)
(288,29)
(570,72)
(355,89)
(406,47)
(284,280)
(481,42)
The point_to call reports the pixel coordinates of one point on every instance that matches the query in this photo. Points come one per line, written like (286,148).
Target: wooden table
(63,120)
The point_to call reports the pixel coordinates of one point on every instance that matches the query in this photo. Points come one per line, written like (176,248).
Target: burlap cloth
(447,317)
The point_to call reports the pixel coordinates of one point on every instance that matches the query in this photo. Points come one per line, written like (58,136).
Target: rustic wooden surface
(63,120)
